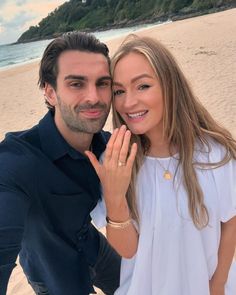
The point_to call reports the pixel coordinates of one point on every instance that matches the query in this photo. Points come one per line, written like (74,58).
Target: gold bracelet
(118,225)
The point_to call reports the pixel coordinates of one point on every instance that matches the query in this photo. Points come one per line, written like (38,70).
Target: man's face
(83,95)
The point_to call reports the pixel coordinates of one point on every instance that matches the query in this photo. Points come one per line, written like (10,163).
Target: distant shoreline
(16,65)
(151,22)
(131,23)
(29,52)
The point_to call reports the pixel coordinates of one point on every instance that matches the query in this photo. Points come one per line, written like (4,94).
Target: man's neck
(80,141)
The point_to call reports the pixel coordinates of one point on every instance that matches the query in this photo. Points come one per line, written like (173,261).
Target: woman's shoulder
(209,151)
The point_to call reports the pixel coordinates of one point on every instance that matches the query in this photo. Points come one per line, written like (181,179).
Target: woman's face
(138,96)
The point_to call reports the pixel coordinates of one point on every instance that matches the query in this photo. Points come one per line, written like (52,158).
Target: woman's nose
(130,100)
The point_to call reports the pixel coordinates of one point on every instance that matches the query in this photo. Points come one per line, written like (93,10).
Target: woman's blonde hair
(185,121)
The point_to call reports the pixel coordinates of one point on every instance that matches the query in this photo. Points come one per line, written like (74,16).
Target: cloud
(16,16)
(19,20)
(21,2)
(3,2)
(1,29)
(10,28)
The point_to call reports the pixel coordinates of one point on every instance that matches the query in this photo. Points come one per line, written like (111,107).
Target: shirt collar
(55,146)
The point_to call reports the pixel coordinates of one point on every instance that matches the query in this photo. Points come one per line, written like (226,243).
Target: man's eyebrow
(84,78)
(75,77)
(105,78)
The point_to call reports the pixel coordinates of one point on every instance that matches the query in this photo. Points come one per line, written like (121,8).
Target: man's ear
(50,94)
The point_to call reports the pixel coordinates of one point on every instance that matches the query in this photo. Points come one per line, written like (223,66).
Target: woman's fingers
(94,161)
(109,147)
(124,149)
(132,155)
(117,145)
(116,169)
(117,149)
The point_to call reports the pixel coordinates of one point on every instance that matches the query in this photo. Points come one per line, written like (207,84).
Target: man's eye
(118,92)
(104,84)
(76,84)
(143,86)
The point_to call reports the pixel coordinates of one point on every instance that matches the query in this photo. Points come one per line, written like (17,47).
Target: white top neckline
(163,158)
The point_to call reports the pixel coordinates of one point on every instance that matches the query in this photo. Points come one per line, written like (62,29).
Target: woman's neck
(162,148)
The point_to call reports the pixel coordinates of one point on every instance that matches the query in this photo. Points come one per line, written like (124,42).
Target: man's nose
(92,94)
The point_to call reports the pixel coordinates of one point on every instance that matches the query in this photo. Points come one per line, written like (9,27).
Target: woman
(181,218)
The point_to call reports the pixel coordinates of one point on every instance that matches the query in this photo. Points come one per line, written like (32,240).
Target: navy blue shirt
(47,191)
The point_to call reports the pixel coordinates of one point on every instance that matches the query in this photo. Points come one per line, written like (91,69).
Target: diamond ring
(120,164)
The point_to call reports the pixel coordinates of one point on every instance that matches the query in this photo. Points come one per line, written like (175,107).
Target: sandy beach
(205,47)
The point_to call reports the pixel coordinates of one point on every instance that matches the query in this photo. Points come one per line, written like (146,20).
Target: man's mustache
(89,106)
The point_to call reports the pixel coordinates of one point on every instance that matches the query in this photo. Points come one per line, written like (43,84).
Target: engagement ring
(120,164)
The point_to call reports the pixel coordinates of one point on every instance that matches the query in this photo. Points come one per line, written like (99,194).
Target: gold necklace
(167,174)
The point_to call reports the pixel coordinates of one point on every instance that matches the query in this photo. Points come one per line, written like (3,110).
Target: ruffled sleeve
(99,213)
(225,177)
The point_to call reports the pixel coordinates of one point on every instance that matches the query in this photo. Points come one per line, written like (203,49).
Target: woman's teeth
(137,115)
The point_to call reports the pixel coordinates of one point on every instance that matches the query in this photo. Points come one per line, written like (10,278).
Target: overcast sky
(16,16)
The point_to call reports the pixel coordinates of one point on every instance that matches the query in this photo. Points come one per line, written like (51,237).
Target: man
(48,187)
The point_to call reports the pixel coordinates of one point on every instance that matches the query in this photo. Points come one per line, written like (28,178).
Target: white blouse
(173,256)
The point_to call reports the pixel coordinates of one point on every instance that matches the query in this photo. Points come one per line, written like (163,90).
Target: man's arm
(13,211)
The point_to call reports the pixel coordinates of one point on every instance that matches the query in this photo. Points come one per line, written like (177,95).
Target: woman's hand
(115,171)
(217,288)
(115,175)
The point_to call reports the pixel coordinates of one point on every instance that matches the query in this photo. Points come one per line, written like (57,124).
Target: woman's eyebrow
(141,76)
(134,79)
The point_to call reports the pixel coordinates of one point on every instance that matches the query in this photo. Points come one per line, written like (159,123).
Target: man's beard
(75,123)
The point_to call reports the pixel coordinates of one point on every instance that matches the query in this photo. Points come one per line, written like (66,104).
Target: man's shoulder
(17,150)
(19,140)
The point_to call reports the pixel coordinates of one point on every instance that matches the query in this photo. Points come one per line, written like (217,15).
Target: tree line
(93,15)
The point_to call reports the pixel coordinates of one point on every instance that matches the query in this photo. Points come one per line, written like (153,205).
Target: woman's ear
(50,94)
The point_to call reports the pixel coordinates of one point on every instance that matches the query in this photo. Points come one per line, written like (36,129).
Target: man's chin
(89,129)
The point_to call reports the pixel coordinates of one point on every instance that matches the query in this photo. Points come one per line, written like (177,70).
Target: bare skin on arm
(115,174)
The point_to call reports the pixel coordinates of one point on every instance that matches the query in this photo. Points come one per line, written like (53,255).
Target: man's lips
(92,113)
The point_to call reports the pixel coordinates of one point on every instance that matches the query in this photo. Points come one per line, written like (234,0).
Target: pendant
(167,175)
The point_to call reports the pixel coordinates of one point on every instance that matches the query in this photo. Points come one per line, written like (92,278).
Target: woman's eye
(143,86)
(118,92)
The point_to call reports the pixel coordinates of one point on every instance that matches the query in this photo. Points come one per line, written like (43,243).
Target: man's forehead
(73,59)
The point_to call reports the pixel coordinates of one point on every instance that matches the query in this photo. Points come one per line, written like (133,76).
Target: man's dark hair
(75,40)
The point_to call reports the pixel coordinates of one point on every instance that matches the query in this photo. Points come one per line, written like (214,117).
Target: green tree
(98,14)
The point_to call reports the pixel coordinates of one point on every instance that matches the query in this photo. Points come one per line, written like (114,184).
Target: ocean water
(16,54)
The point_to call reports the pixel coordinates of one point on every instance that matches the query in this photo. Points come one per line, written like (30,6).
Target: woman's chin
(136,131)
